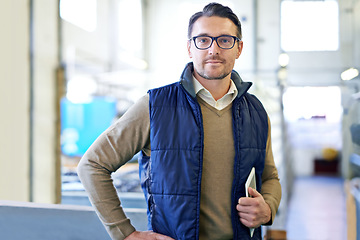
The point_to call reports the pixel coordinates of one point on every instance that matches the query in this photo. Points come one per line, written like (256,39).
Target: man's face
(213,63)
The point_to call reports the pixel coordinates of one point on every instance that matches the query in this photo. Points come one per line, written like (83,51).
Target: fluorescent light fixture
(349,74)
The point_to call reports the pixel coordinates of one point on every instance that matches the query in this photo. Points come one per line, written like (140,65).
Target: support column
(46,178)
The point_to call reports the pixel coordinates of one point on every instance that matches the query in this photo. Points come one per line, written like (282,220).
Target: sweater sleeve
(271,188)
(112,149)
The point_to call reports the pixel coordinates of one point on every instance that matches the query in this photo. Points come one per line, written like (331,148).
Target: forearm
(111,150)
(103,196)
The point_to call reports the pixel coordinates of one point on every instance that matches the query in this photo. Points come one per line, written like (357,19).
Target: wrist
(268,215)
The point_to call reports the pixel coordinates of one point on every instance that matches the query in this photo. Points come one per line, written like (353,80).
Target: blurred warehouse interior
(71,68)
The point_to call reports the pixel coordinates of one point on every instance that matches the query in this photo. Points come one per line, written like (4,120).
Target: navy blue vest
(171,178)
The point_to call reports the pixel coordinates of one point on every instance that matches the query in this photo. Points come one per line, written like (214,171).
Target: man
(199,138)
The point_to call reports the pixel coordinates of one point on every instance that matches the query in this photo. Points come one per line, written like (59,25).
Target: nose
(214,49)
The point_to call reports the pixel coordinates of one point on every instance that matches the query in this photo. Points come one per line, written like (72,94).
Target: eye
(202,40)
(225,40)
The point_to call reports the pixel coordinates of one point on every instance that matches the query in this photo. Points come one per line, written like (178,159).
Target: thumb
(253,192)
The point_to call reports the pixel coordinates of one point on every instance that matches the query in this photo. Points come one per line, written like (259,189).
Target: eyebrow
(202,35)
(208,35)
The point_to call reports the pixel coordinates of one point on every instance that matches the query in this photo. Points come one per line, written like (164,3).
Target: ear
(189,48)
(239,50)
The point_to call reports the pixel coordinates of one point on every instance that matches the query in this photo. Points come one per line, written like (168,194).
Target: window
(306,103)
(309,25)
(81,13)
(130,34)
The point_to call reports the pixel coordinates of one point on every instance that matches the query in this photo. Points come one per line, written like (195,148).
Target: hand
(147,235)
(254,211)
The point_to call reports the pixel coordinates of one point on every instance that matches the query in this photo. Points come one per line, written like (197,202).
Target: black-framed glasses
(223,41)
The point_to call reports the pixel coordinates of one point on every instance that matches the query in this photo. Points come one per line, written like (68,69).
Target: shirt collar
(198,87)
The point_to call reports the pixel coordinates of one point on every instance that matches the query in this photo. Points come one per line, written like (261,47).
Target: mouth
(213,61)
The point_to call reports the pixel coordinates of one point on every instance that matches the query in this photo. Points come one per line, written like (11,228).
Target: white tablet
(250,182)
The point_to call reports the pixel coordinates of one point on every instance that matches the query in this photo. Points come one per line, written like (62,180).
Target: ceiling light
(349,74)
(283,60)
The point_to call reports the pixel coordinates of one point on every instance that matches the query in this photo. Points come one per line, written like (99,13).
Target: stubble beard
(207,77)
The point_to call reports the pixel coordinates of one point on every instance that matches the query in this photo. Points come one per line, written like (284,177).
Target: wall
(14,100)
(60,222)
(356,40)
(28,169)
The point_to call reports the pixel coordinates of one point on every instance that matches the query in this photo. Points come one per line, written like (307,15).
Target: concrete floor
(317,209)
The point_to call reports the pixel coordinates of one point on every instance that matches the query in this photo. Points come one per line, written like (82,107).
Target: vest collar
(187,75)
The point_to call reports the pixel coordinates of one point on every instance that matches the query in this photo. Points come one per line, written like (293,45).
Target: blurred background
(70,68)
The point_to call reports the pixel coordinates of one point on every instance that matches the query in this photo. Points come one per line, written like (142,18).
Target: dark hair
(215,9)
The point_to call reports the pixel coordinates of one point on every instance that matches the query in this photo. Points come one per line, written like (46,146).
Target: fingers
(248,220)
(247,210)
(248,216)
